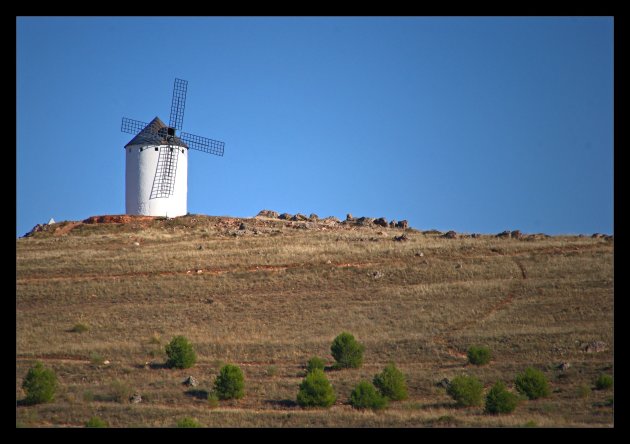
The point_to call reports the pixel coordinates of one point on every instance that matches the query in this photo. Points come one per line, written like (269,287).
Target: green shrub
(347,351)
(391,383)
(500,400)
(180,353)
(316,390)
(96,423)
(479,355)
(584,391)
(365,396)
(188,423)
(604,382)
(315,362)
(466,390)
(230,383)
(39,384)
(79,328)
(532,383)
(213,400)
(120,391)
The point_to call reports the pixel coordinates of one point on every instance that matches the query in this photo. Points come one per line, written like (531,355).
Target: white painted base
(140,168)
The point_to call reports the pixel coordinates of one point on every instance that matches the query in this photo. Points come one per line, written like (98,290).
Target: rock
(331,219)
(199,271)
(242,226)
(505,234)
(329,261)
(475,235)
(597,235)
(313,217)
(595,347)
(403,224)
(200,247)
(392,224)
(444,383)
(135,398)
(401,238)
(516,234)
(458,266)
(190,381)
(106,362)
(137,244)
(563,366)
(609,238)
(268,213)
(364,221)
(381,221)
(450,235)
(376,275)
(285,216)
(349,217)
(419,254)
(299,217)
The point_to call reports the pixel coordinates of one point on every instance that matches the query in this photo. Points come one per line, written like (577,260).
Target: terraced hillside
(268,294)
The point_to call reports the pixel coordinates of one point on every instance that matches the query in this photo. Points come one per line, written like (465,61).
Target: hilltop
(269,292)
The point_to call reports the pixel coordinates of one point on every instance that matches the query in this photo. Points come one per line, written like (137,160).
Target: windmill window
(182,151)
(156,148)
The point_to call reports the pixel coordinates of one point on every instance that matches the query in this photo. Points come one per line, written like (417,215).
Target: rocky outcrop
(402,224)
(285,216)
(381,221)
(450,235)
(268,213)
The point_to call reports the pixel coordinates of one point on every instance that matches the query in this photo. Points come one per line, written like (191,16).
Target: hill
(267,294)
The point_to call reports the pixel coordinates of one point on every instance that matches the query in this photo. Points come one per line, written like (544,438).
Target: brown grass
(270,297)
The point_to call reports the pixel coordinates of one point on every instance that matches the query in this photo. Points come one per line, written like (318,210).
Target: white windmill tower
(156,171)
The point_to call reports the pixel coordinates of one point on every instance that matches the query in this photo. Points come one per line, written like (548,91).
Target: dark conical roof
(151,135)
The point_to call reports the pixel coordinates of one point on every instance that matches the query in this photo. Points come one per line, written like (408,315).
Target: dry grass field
(269,295)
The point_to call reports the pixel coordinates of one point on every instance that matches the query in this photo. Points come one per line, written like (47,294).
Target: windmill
(156,169)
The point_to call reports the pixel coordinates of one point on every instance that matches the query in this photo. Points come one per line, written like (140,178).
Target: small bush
(180,353)
(499,400)
(315,362)
(316,390)
(230,383)
(79,328)
(532,383)
(213,400)
(604,382)
(466,390)
(39,384)
(120,391)
(584,391)
(96,423)
(479,355)
(96,359)
(188,423)
(365,396)
(391,383)
(347,351)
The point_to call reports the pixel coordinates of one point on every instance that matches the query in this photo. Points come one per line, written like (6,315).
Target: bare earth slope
(268,294)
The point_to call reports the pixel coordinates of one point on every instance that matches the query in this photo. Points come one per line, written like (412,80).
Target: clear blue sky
(470,124)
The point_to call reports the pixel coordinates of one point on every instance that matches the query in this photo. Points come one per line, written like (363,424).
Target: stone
(376,274)
(505,234)
(137,244)
(299,217)
(595,347)
(190,381)
(268,213)
(364,221)
(381,221)
(349,217)
(242,226)
(450,235)
(313,217)
(403,224)
(200,247)
(392,224)
(403,237)
(199,271)
(564,366)
(444,383)
(135,398)
(285,216)
(516,234)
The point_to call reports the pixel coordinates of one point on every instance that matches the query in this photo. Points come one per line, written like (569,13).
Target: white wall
(140,167)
